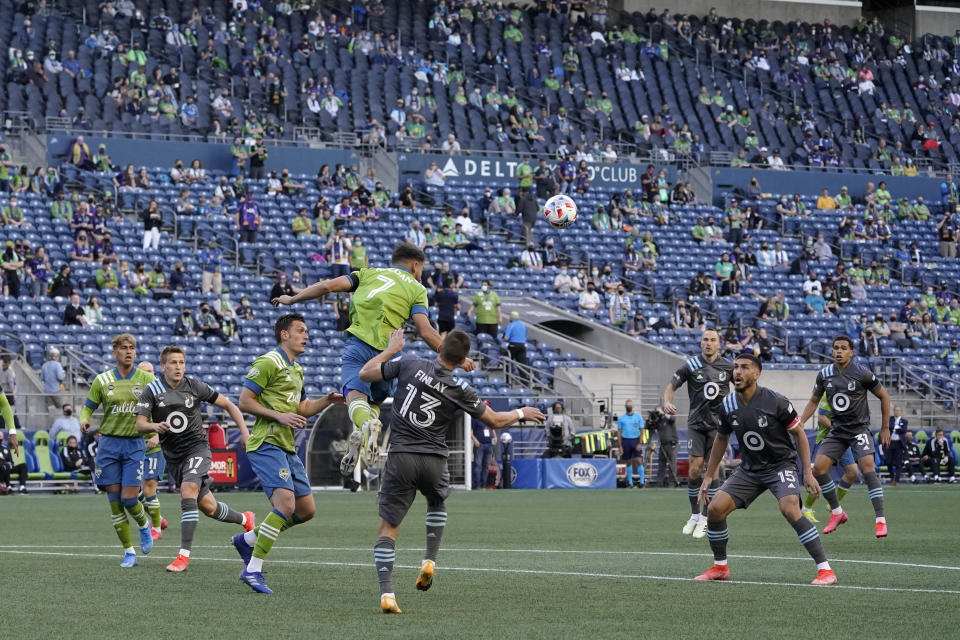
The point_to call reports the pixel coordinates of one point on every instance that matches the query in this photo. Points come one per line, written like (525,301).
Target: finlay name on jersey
(428,380)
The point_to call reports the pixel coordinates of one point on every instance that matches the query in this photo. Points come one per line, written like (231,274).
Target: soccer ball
(560,211)
(506,438)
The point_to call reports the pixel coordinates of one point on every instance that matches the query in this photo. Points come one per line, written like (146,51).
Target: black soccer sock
(810,539)
(875,491)
(718,534)
(189,518)
(225,514)
(829,490)
(693,490)
(436,521)
(712,491)
(384,554)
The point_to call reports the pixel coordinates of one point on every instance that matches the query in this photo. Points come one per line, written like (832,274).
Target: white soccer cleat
(700,530)
(691,524)
(349,461)
(370,451)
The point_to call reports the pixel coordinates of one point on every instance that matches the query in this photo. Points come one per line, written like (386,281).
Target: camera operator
(559,432)
(666,428)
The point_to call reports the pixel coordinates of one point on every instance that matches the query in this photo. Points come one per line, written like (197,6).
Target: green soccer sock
(269,529)
(152,504)
(136,510)
(360,411)
(120,524)
(842,490)
(809,501)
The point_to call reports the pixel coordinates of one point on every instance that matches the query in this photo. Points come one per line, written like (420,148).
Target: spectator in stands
(152,220)
(504,203)
(869,345)
(815,302)
(545,180)
(52,376)
(515,335)
(240,154)
(780,258)
(450,145)
(415,236)
(565,281)
(339,253)
(447,302)
(248,219)
(208,324)
(79,155)
(178,174)
(302,225)
(93,312)
(82,251)
(61,286)
(211,258)
(590,299)
(912,457)
(157,280)
(484,438)
(947,232)
(937,454)
(106,277)
(281,287)
(407,199)
(620,307)
(531,258)
(74,313)
(72,456)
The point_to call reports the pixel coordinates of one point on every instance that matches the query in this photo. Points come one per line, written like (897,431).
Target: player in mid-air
(154,466)
(428,398)
(382,300)
(846,383)
(764,422)
(273,392)
(708,382)
(120,454)
(170,408)
(847,464)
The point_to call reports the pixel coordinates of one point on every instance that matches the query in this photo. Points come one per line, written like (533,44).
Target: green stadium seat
(955,436)
(921,437)
(41,443)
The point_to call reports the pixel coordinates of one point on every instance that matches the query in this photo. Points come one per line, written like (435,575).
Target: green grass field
(516,564)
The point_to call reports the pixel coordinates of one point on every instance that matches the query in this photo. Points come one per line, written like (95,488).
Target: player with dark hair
(273,392)
(170,408)
(764,422)
(382,300)
(154,466)
(708,382)
(846,463)
(427,400)
(120,454)
(846,384)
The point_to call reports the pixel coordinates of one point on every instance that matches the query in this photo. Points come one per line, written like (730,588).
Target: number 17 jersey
(383,299)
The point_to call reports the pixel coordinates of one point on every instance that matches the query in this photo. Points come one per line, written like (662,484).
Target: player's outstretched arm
(720,442)
(234,412)
(145,426)
(881,393)
(316,290)
(803,449)
(249,403)
(371,371)
(309,408)
(501,419)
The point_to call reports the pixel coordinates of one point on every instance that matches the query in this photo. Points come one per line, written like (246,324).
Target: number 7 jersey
(383,299)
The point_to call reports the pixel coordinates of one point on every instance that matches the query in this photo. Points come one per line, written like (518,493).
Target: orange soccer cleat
(825,577)
(881,529)
(179,565)
(163,523)
(388,603)
(425,578)
(249,520)
(155,533)
(716,572)
(836,519)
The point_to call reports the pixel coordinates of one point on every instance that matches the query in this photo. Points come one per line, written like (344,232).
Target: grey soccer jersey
(180,408)
(428,397)
(761,427)
(847,394)
(707,384)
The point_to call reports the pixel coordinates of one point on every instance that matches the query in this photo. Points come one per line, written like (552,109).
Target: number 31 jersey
(427,399)
(847,395)
(179,407)
(762,427)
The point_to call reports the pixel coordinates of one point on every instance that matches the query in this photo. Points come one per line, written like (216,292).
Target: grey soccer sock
(225,514)
(712,491)
(189,518)
(693,490)
(718,534)
(384,554)
(436,521)
(810,539)
(829,490)
(875,491)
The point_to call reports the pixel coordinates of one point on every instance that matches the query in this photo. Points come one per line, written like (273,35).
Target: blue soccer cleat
(244,549)
(146,540)
(129,560)
(254,580)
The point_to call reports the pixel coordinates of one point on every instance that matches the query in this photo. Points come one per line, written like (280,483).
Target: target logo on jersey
(177,421)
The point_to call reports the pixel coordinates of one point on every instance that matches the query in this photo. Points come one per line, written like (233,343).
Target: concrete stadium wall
(163,153)
(837,11)
(943,21)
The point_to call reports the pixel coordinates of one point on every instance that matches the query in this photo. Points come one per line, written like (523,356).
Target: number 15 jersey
(762,427)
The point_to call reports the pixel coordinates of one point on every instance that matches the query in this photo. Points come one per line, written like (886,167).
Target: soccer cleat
(388,603)
(371,441)
(825,577)
(700,530)
(249,520)
(254,580)
(129,560)
(146,540)
(691,523)
(425,578)
(244,549)
(163,523)
(155,533)
(811,515)
(836,519)
(716,572)
(349,461)
(881,529)
(179,565)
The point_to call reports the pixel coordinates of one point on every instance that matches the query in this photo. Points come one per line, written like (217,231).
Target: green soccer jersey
(824,410)
(119,399)
(278,384)
(383,299)
(486,305)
